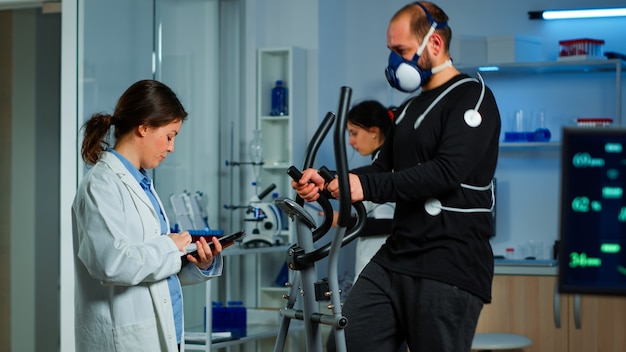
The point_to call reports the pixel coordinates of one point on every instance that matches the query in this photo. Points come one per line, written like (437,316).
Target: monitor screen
(593,211)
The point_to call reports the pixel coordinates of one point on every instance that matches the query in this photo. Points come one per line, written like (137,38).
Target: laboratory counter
(547,267)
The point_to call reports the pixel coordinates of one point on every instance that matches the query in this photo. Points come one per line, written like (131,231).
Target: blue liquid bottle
(279,100)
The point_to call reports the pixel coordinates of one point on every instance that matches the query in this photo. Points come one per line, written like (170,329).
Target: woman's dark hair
(146,102)
(370,113)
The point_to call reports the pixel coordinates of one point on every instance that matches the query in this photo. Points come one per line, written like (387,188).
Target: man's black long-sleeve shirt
(447,156)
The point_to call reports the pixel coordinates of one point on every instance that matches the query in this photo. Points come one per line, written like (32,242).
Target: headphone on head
(405,75)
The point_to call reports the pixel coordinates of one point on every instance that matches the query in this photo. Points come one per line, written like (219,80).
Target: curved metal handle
(345,200)
(577,323)
(323,201)
(312,148)
(341,158)
(316,141)
(343,220)
(350,236)
(309,158)
(556,307)
(327,209)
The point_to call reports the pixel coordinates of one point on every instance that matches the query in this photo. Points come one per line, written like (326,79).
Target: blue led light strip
(583,13)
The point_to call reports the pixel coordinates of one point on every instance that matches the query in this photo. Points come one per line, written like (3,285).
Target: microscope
(263,221)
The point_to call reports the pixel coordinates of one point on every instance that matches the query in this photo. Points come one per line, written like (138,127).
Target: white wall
(34,169)
(23,175)
(346,39)
(365,53)
(282,23)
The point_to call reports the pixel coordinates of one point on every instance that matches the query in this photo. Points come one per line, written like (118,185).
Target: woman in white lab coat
(367,123)
(127,265)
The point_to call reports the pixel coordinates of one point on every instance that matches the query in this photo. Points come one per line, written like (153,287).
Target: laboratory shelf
(581,66)
(262,323)
(238,249)
(253,332)
(250,273)
(546,267)
(563,90)
(529,145)
(277,166)
(526,262)
(276,118)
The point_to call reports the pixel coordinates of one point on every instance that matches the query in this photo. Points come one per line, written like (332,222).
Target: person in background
(128,272)
(428,282)
(368,123)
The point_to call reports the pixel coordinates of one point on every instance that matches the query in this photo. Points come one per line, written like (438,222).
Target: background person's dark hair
(146,102)
(370,113)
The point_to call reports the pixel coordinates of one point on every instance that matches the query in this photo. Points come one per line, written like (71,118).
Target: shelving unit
(282,137)
(251,272)
(552,86)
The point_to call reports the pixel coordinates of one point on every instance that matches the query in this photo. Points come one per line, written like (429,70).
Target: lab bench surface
(546,267)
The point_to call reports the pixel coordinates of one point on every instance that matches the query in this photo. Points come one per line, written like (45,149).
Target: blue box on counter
(231,317)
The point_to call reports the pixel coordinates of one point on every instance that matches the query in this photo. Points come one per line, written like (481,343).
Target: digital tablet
(224,240)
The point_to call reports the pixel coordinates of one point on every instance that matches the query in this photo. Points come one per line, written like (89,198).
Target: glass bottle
(279,99)
(255,149)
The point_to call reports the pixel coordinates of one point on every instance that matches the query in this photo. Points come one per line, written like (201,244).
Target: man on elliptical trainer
(428,282)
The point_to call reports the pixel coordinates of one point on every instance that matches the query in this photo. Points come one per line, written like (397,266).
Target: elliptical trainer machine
(301,256)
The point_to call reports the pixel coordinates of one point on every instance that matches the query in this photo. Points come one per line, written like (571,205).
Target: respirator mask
(405,75)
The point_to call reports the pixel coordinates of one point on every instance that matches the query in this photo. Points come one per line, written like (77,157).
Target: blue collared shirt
(175,290)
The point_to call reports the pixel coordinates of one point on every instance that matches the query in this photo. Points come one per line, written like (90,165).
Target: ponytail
(392,112)
(96,137)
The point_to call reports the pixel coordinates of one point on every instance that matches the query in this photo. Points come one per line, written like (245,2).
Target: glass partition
(115,49)
(187,59)
(176,42)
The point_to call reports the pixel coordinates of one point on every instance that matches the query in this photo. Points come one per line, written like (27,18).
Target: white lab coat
(367,246)
(122,261)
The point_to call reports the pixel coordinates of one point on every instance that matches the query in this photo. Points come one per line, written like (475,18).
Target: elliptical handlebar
(303,254)
(323,201)
(351,235)
(309,159)
(341,158)
(316,141)
(344,184)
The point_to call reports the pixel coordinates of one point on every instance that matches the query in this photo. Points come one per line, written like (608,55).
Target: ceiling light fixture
(570,14)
